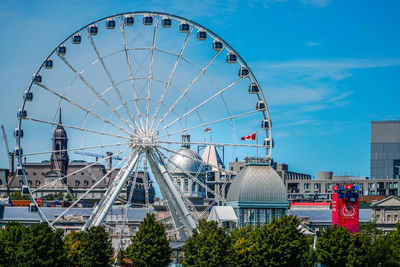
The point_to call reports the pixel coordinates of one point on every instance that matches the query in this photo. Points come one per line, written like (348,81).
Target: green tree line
(279,243)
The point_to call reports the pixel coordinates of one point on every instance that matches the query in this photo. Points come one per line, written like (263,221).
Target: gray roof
(188,160)
(257,183)
(23,214)
(325,215)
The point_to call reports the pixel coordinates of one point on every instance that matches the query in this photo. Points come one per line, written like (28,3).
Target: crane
(97,156)
(5,139)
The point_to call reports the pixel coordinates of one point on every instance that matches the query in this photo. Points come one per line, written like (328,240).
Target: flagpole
(257,141)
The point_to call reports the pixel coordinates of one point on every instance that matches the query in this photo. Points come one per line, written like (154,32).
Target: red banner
(348,214)
(334,208)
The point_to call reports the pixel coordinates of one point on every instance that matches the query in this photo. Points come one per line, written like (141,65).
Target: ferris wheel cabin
(129,20)
(260,105)
(21,114)
(184,27)
(253,88)
(28,96)
(147,20)
(166,22)
(217,45)
(231,58)
(243,72)
(76,39)
(110,24)
(37,78)
(48,64)
(18,132)
(62,50)
(93,30)
(201,35)
(265,124)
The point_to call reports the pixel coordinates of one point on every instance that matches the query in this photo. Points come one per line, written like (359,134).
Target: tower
(59,157)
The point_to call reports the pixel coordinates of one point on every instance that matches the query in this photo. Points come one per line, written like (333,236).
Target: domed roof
(188,160)
(257,183)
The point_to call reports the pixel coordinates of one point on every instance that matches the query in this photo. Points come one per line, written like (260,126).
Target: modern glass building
(385,149)
(257,194)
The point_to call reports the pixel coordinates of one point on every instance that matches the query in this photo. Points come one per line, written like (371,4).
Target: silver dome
(257,183)
(185,160)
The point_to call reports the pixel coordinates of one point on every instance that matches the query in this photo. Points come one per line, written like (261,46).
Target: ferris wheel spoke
(210,123)
(102,208)
(186,90)
(88,191)
(201,104)
(151,70)
(114,84)
(95,91)
(194,178)
(84,168)
(74,149)
(82,108)
(131,77)
(77,128)
(207,143)
(170,77)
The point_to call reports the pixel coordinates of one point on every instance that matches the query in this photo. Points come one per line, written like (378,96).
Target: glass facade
(258,216)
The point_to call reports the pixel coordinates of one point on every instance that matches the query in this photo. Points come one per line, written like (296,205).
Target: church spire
(59,120)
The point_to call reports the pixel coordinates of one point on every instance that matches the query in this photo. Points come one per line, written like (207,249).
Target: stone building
(386,213)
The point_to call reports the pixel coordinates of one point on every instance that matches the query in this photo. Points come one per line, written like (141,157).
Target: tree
(209,245)
(281,243)
(332,246)
(150,246)
(10,238)
(41,246)
(90,248)
(358,251)
(377,245)
(243,241)
(394,247)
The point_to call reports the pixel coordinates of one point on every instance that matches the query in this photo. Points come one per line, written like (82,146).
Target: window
(82,173)
(85,183)
(316,186)
(77,183)
(30,183)
(307,186)
(34,173)
(20,183)
(396,168)
(37,182)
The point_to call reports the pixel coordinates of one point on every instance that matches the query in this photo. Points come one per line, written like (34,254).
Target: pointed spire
(59,120)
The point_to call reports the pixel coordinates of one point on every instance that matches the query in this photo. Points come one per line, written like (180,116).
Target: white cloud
(317,3)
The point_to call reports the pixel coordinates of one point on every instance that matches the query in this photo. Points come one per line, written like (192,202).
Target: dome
(185,159)
(256,183)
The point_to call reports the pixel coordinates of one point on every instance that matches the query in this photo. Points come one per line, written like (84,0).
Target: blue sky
(327,68)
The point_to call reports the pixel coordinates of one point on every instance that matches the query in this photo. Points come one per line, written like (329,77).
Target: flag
(207,129)
(249,137)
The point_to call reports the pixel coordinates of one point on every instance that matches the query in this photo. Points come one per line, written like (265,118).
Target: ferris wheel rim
(228,47)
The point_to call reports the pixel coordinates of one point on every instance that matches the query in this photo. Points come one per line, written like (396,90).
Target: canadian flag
(207,129)
(249,137)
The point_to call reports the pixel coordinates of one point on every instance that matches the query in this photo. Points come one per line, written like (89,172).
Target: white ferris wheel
(132,84)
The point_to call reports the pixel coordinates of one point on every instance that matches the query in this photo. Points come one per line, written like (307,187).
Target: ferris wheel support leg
(166,194)
(112,192)
(176,199)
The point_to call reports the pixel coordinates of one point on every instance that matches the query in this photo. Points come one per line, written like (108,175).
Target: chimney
(109,160)
(11,166)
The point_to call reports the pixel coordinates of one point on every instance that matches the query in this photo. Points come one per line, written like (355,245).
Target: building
(257,194)
(74,178)
(386,213)
(385,150)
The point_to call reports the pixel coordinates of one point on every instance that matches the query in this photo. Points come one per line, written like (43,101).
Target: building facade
(385,149)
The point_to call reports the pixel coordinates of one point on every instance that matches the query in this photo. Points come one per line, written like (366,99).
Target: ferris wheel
(129,87)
